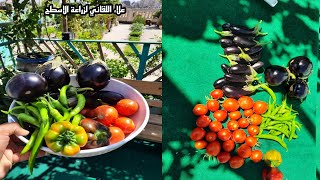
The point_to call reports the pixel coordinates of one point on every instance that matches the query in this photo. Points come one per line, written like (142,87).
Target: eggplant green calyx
(224,33)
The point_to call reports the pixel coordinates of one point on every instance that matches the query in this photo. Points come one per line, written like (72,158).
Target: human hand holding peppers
(9,150)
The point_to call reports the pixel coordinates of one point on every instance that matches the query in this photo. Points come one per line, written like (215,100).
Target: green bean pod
(274,138)
(31,142)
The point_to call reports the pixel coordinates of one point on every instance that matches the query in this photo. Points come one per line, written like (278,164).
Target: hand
(9,150)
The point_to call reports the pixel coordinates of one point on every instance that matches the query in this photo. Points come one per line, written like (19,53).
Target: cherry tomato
(224,134)
(235,115)
(233,125)
(228,146)
(255,119)
(213,148)
(253,130)
(244,151)
(251,141)
(243,122)
(106,114)
(230,104)
(216,94)
(211,136)
(200,109)
(213,105)
(247,112)
(260,107)
(245,102)
(203,121)
(117,135)
(127,107)
(201,144)
(223,157)
(125,124)
(239,136)
(215,126)
(236,162)
(256,156)
(197,134)
(220,115)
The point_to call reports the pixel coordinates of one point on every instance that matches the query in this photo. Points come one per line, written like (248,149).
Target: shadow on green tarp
(133,161)
(191,64)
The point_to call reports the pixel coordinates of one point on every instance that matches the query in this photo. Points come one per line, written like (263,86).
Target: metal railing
(42,44)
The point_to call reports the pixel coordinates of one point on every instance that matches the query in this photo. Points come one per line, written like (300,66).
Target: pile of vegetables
(237,123)
(65,117)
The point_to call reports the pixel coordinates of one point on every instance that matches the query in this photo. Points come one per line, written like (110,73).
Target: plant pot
(28,62)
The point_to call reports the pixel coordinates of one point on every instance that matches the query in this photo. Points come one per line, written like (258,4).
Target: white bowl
(140,118)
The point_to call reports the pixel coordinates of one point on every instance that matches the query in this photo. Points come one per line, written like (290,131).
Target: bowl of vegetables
(88,115)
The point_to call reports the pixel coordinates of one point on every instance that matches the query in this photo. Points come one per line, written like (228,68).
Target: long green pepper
(79,106)
(30,143)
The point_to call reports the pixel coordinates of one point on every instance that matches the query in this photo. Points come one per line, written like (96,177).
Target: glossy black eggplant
(238,78)
(298,89)
(219,83)
(225,68)
(232,50)
(253,50)
(244,42)
(240,69)
(235,92)
(226,26)
(256,66)
(226,42)
(300,66)
(276,75)
(109,97)
(92,102)
(244,31)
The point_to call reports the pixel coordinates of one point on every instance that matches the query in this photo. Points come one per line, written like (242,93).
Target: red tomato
(230,104)
(117,135)
(224,134)
(228,146)
(260,107)
(211,136)
(223,157)
(256,156)
(235,115)
(253,130)
(243,122)
(247,112)
(200,109)
(251,141)
(245,102)
(215,126)
(255,119)
(126,124)
(272,173)
(213,148)
(236,162)
(232,125)
(244,151)
(216,94)
(106,114)
(203,121)
(86,112)
(213,105)
(127,107)
(197,134)
(201,144)
(239,136)
(220,115)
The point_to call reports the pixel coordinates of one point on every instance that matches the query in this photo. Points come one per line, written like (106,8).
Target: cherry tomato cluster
(230,136)
(115,118)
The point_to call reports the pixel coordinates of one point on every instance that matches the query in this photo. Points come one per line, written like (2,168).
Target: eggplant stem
(291,75)
(228,57)
(244,56)
(224,33)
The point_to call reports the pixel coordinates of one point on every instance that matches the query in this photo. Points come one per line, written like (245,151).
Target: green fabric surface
(135,160)
(191,64)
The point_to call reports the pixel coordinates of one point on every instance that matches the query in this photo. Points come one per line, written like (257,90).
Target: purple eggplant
(225,68)
(232,50)
(244,42)
(243,31)
(240,69)
(109,97)
(298,89)
(226,42)
(219,83)
(276,75)
(256,66)
(235,92)
(238,78)
(253,50)
(300,66)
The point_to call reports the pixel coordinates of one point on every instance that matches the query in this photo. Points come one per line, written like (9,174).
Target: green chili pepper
(43,130)
(63,95)
(30,143)
(278,129)
(284,118)
(293,130)
(272,137)
(76,119)
(34,111)
(29,119)
(73,91)
(53,112)
(59,106)
(271,93)
(275,111)
(80,105)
